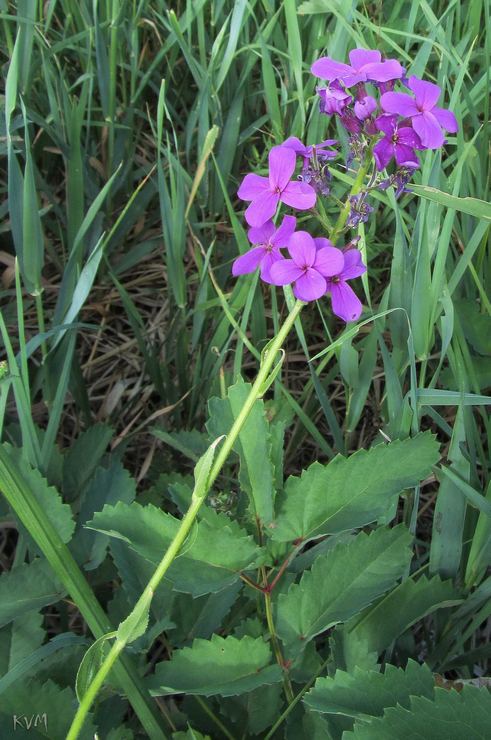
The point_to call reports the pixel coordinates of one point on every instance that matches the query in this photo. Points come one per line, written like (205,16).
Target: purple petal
(261,234)
(345,303)
(333,100)
(446,119)
(299,195)
(427,93)
(353,265)
(326,142)
(329,69)
(293,142)
(364,108)
(270,258)
(321,242)
(248,262)
(405,155)
(360,57)
(408,136)
(282,161)
(310,286)
(284,272)
(252,186)
(329,261)
(284,232)
(302,249)
(383,151)
(387,124)
(385,71)
(262,208)
(401,103)
(428,130)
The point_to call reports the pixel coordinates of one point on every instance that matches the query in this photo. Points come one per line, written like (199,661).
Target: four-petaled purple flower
(308,267)
(266,192)
(345,303)
(366,65)
(399,142)
(268,240)
(426,119)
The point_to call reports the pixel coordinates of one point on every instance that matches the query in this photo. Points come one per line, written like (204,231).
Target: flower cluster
(384,125)
(314,266)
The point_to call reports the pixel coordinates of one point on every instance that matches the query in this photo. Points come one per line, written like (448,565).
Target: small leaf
(341,583)
(136,623)
(91,662)
(202,470)
(354,491)
(225,666)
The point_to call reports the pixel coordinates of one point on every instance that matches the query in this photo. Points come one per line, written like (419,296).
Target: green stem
(256,392)
(276,647)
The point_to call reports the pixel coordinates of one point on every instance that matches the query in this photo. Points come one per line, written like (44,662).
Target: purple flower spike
(365,107)
(427,120)
(366,65)
(333,99)
(397,142)
(308,267)
(345,303)
(265,193)
(268,240)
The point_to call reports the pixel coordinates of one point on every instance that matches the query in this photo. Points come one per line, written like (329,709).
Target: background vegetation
(127,127)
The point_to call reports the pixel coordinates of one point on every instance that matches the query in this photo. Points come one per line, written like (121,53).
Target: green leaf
(59,514)
(472,206)
(354,491)
(136,623)
(384,622)
(363,693)
(27,587)
(215,553)
(341,583)
(49,708)
(253,446)
(202,470)
(84,457)
(225,666)
(91,662)
(451,716)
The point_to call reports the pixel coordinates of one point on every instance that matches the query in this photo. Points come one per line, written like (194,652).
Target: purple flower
(427,120)
(308,267)
(344,301)
(398,142)
(265,193)
(366,65)
(308,152)
(360,210)
(268,240)
(365,107)
(333,99)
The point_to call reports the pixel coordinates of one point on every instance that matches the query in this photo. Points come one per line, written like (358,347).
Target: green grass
(127,129)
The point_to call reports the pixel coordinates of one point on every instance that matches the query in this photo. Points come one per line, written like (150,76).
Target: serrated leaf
(451,716)
(108,486)
(225,666)
(202,470)
(341,583)
(91,662)
(253,446)
(84,457)
(27,634)
(136,622)
(27,587)
(49,709)
(363,693)
(217,549)
(352,492)
(59,514)
(385,621)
